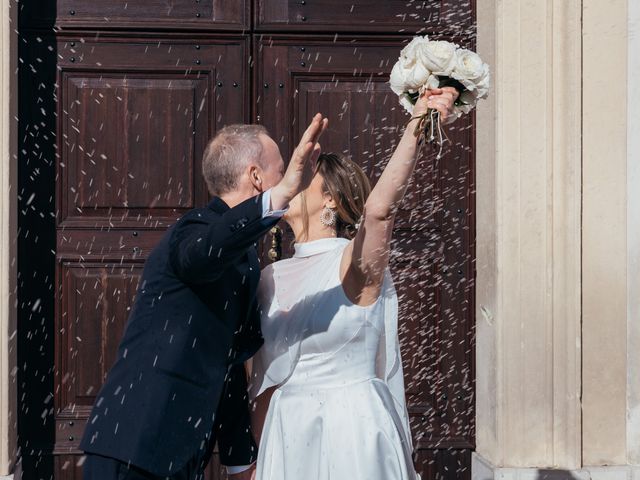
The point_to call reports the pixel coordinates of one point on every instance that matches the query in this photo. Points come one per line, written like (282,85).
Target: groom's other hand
(302,166)
(249,474)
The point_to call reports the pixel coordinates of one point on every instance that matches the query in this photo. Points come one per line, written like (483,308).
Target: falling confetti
(111,130)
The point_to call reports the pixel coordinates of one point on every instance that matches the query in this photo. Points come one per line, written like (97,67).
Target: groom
(178,385)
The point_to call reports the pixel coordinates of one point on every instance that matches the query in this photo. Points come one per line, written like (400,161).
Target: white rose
(468,102)
(409,74)
(405,79)
(397,79)
(482,86)
(432,82)
(406,100)
(469,69)
(409,55)
(438,57)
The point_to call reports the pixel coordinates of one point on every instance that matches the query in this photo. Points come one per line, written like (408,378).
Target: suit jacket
(178,383)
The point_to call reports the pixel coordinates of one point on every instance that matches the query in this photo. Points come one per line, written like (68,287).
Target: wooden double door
(116,108)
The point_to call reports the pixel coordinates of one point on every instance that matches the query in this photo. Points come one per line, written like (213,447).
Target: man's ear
(255,177)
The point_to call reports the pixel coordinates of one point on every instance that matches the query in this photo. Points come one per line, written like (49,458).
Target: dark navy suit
(178,384)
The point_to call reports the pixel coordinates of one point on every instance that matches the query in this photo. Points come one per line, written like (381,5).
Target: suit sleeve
(203,244)
(233,431)
(248,338)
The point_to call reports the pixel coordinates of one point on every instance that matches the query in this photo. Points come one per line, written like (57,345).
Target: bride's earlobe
(330,202)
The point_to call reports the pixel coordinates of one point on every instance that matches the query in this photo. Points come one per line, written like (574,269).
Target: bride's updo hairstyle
(348,185)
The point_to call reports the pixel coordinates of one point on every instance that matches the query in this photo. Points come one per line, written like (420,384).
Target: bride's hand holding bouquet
(441,100)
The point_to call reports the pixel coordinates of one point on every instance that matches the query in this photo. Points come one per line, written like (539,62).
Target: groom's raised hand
(302,165)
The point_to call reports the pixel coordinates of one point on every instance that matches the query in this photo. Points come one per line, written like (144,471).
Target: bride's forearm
(368,256)
(393,182)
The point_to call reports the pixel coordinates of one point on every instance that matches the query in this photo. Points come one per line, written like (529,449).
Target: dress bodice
(341,339)
(313,334)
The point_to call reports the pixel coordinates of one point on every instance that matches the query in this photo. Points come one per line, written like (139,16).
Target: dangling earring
(328,217)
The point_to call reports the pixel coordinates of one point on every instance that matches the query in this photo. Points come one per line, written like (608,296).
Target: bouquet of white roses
(426,64)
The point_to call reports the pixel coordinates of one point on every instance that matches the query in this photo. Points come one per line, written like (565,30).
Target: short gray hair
(228,154)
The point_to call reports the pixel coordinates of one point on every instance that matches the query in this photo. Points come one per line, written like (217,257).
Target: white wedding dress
(339,410)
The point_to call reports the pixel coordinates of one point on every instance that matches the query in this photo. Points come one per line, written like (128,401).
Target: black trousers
(97,467)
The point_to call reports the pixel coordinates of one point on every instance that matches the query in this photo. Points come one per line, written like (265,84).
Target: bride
(327,385)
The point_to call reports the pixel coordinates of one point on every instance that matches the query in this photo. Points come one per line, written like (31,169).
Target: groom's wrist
(267,209)
(280,198)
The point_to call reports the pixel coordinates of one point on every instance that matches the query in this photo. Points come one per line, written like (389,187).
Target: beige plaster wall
(604,239)
(633,235)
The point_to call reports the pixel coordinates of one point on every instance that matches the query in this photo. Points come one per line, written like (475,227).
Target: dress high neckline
(315,247)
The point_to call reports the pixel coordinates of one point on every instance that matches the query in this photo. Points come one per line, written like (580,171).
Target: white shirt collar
(307,249)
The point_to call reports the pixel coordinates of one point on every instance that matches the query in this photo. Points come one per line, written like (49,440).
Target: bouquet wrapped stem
(429,129)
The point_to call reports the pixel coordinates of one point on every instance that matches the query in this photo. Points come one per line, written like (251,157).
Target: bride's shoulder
(270,269)
(266,271)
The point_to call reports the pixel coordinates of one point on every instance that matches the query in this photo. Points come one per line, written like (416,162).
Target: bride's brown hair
(349,187)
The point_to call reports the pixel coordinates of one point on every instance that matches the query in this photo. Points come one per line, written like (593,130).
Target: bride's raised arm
(367,257)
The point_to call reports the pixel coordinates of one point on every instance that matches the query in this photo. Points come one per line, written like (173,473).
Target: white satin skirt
(333,432)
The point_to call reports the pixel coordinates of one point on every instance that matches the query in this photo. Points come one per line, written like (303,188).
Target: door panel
(95,300)
(175,14)
(135,119)
(127,166)
(432,258)
(93,307)
(393,16)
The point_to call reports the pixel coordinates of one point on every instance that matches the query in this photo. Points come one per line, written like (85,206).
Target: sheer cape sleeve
(389,358)
(287,313)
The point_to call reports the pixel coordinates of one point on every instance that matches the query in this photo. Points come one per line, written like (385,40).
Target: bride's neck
(317,231)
